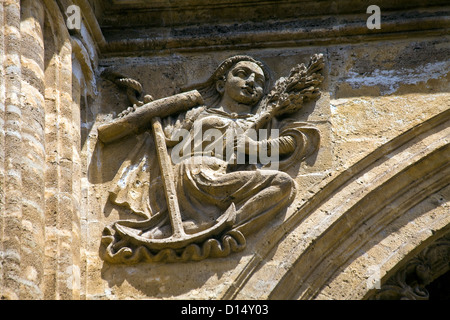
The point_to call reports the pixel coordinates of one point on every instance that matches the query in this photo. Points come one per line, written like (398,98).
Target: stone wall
(373,94)
(41,152)
(374,195)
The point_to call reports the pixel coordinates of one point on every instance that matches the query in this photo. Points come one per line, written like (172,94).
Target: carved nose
(251,79)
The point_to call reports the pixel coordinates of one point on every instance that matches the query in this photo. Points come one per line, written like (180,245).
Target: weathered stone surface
(371,197)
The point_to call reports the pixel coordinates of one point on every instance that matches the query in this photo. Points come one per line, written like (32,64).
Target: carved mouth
(249,90)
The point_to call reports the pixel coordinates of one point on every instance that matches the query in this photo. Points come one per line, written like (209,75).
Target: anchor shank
(168,179)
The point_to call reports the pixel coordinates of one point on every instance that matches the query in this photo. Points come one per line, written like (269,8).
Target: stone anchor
(152,112)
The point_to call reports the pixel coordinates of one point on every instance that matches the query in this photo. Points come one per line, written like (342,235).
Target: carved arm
(285,145)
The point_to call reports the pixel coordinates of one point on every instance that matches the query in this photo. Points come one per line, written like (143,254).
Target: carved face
(244,83)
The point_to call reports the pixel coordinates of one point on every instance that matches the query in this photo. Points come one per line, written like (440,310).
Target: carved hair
(208,89)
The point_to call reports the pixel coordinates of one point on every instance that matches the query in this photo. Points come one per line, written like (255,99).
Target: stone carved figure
(199,195)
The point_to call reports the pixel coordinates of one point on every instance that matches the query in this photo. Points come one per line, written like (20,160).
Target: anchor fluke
(224,222)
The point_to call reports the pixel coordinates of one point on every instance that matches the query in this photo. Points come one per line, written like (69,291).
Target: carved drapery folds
(409,283)
(217,173)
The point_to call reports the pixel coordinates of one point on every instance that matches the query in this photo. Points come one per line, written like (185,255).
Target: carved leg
(264,205)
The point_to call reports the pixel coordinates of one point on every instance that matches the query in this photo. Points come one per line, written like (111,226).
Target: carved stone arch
(364,219)
(412,278)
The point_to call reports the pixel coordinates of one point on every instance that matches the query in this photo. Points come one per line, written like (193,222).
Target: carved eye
(241,73)
(260,81)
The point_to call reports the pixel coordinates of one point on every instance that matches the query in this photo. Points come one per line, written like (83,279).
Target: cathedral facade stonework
(224,150)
